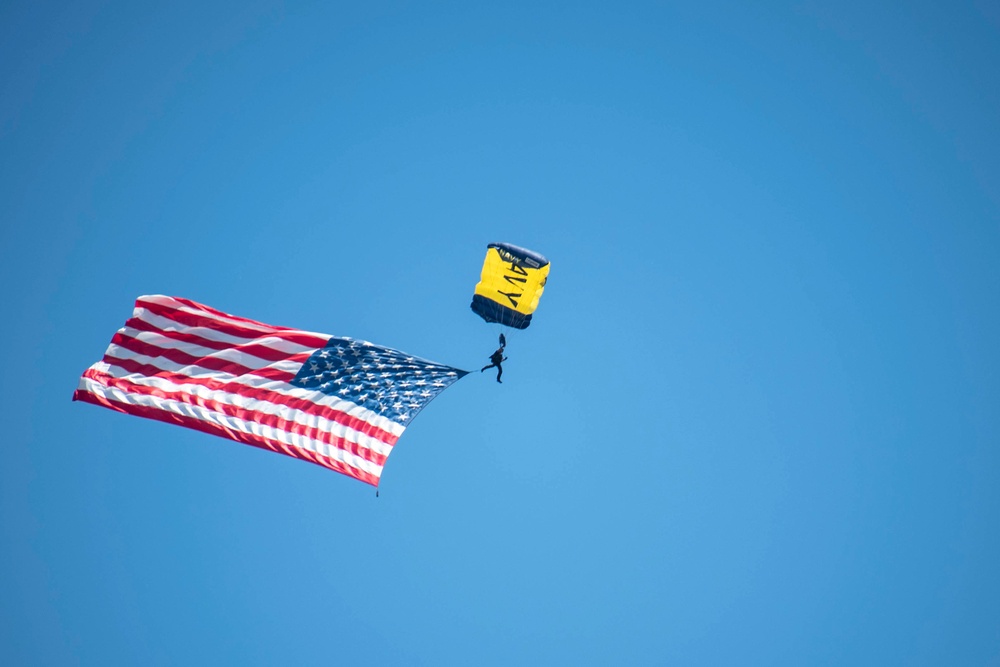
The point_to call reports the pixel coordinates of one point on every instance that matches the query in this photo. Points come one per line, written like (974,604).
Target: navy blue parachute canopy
(511,284)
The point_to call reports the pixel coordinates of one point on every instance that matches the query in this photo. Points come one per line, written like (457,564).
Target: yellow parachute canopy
(511,284)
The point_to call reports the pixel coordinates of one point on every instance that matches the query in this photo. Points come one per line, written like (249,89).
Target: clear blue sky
(755,421)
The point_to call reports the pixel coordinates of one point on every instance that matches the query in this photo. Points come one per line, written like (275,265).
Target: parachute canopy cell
(511,284)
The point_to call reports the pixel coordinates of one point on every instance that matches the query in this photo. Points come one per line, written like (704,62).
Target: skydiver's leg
(485,367)
(499,373)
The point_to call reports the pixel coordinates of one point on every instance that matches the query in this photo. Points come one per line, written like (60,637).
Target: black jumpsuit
(496,358)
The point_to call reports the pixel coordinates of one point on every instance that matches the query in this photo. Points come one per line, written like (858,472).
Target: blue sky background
(755,421)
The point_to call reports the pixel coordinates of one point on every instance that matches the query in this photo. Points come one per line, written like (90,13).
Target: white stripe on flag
(266,433)
(165,324)
(276,409)
(252,382)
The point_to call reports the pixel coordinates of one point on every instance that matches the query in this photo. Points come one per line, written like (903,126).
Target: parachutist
(496,359)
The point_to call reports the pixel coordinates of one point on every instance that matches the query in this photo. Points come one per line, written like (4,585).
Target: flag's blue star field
(386,381)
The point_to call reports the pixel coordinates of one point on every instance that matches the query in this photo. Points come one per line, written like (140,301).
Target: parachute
(511,284)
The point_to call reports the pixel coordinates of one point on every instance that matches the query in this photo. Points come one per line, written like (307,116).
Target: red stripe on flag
(181,357)
(238,436)
(209,322)
(256,393)
(245,414)
(255,347)
(188,303)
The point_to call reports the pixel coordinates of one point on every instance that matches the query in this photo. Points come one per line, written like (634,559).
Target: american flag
(337,402)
